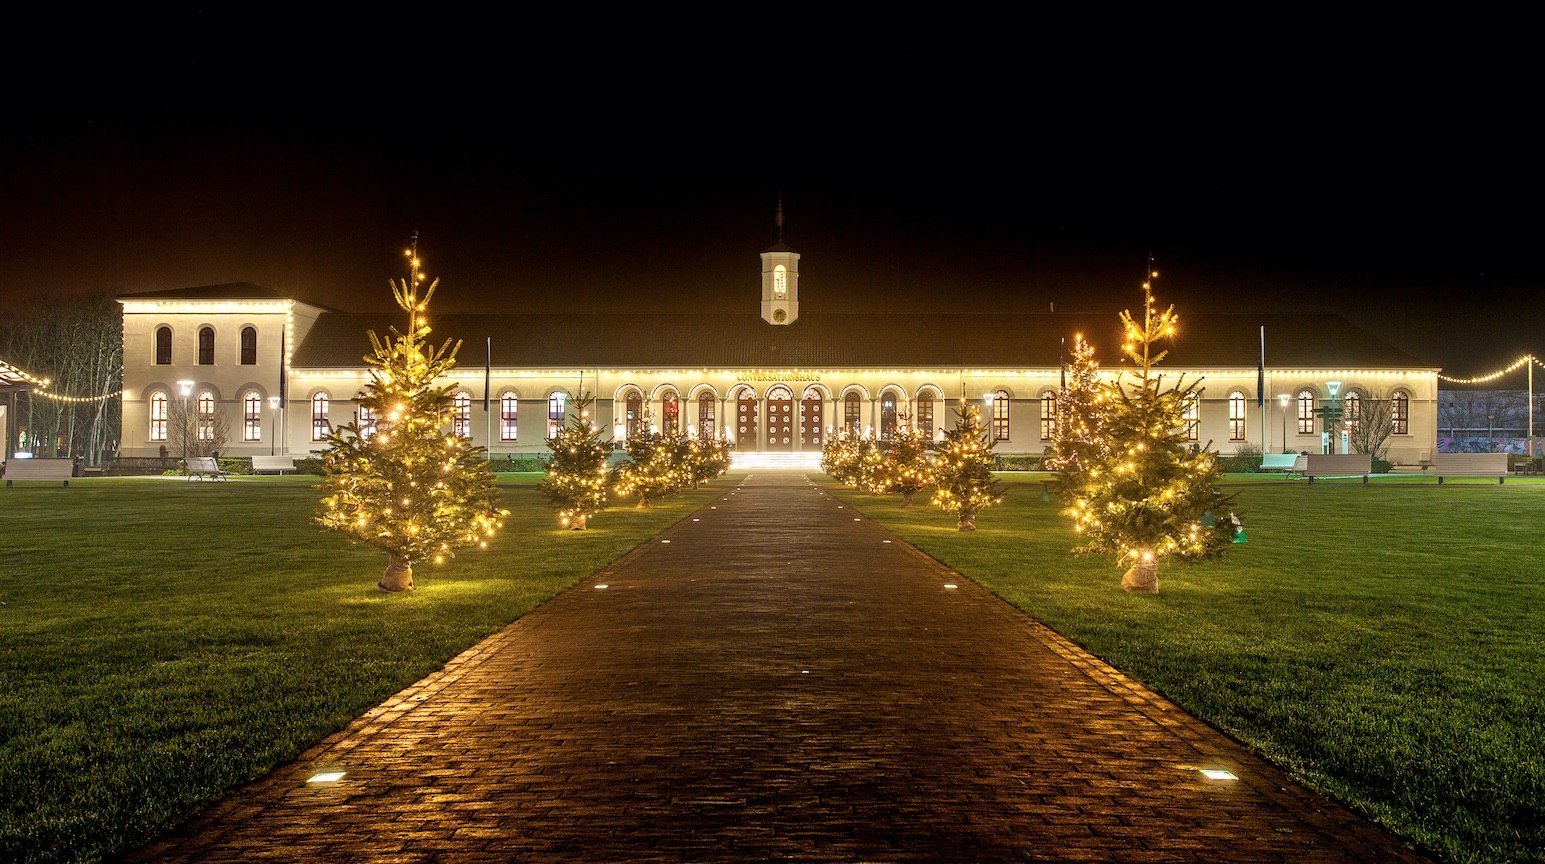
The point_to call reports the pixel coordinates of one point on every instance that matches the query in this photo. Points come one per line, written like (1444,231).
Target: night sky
(1397,182)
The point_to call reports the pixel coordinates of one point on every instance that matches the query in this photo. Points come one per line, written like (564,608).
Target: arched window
(249,346)
(206,346)
(1192,414)
(206,415)
(1400,413)
(1000,416)
(158,414)
(507,408)
(887,415)
(557,405)
(319,425)
(1236,416)
(1305,402)
(925,414)
(461,415)
(705,418)
(1048,414)
(1352,411)
(252,416)
(634,403)
(852,415)
(670,408)
(163,348)
(780,281)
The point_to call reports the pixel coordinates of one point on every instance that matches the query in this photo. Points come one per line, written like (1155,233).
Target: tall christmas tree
(649,473)
(1075,443)
(412,489)
(1147,494)
(964,469)
(576,473)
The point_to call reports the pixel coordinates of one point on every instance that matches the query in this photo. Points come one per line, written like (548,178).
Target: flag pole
(1260,387)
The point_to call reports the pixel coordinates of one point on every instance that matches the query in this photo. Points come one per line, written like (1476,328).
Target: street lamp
(273,409)
(1282,399)
(182,428)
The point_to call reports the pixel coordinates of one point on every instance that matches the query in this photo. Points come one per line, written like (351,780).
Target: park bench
(204,468)
(1337,465)
(273,463)
(1278,461)
(1470,465)
(39,469)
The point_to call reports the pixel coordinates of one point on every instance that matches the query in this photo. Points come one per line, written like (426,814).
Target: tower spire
(778,218)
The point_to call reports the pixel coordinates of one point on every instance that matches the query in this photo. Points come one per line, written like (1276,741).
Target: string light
(76,400)
(1484,379)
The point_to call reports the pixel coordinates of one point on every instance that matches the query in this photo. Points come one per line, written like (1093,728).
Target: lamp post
(186,386)
(273,410)
(1332,414)
(1282,399)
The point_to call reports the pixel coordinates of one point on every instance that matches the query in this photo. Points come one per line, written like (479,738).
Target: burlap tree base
(1143,578)
(398,576)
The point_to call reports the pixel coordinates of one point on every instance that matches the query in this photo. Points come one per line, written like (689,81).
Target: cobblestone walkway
(777,679)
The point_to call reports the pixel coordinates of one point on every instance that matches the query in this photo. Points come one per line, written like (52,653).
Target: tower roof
(780,246)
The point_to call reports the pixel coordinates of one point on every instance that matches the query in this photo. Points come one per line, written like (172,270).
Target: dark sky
(1393,179)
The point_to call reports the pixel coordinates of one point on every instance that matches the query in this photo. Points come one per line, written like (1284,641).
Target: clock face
(779,315)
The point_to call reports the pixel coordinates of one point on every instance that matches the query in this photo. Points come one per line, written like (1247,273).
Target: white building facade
(281,372)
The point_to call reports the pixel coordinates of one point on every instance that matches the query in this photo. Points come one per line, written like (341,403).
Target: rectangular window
(1048,415)
(252,411)
(1193,418)
(925,417)
(1305,413)
(507,408)
(158,417)
(319,425)
(1400,414)
(555,410)
(1236,416)
(461,417)
(1000,416)
(206,416)
(367,422)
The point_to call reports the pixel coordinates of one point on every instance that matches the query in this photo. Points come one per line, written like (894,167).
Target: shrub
(1019,462)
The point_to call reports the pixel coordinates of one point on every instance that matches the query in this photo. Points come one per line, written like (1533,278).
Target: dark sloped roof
(839,341)
(225,291)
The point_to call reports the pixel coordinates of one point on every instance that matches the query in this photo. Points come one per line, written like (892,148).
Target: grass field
(1385,643)
(162,641)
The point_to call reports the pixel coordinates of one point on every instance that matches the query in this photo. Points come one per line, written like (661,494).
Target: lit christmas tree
(1147,496)
(1076,439)
(963,471)
(906,468)
(841,456)
(576,472)
(412,488)
(649,473)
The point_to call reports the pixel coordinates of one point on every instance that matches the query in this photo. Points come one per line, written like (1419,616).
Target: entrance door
(780,419)
(745,421)
(810,434)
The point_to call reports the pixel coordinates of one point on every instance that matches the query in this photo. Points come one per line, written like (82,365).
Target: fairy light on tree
(576,472)
(964,469)
(905,469)
(1146,496)
(1075,443)
(412,488)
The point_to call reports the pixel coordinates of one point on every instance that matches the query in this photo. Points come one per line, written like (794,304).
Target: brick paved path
(772,680)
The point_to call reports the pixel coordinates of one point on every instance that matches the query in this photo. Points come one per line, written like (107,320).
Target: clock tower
(780,280)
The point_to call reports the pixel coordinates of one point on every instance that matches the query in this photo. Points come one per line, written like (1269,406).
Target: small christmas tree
(964,469)
(1076,438)
(906,469)
(576,473)
(1148,496)
(648,474)
(841,455)
(412,488)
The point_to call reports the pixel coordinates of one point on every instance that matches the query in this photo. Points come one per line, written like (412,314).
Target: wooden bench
(1278,461)
(1470,465)
(39,469)
(1337,465)
(204,468)
(273,463)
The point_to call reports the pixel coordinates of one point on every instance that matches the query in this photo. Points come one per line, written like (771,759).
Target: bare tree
(1369,432)
(192,433)
(77,343)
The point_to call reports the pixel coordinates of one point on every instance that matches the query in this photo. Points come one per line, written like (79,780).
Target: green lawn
(162,641)
(1384,643)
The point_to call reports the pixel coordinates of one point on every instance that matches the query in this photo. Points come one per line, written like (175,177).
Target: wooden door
(780,422)
(811,434)
(745,422)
